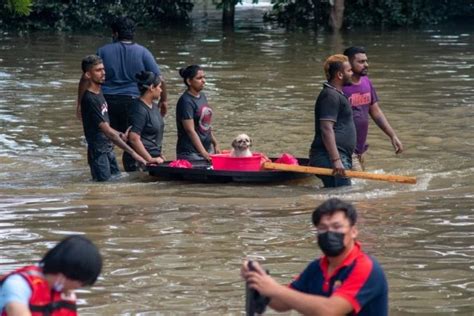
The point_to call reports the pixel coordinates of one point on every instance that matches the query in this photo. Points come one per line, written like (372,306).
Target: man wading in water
(364,101)
(95,120)
(334,138)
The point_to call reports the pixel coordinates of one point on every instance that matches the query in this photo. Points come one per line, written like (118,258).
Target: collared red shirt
(359,279)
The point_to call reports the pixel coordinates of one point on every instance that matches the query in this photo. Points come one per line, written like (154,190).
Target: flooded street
(175,248)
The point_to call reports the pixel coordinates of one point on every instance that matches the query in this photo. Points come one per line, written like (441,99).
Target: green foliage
(396,13)
(20,7)
(86,14)
(299,13)
(381,13)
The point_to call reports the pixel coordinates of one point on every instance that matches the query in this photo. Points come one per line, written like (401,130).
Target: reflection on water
(175,248)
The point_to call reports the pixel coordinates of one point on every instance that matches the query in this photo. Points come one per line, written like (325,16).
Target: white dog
(241,146)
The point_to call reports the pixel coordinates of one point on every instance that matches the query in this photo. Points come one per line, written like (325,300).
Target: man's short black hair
(124,27)
(354,50)
(76,257)
(331,206)
(90,61)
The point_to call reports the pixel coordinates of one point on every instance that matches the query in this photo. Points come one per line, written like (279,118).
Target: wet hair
(76,257)
(352,51)
(90,61)
(146,79)
(331,206)
(189,73)
(333,65)
(124,27)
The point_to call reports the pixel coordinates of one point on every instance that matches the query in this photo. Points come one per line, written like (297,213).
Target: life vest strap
(48,309)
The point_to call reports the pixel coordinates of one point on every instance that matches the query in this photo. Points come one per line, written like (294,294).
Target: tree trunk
(317,13)
(228,13)
(336,17)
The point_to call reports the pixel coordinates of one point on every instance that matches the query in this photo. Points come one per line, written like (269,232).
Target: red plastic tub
(226,162)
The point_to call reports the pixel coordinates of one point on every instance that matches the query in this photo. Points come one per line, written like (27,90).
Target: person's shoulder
(14,278)
(87,96)
(106,47)
(96,99)
(370,262)
(138,106)
(367,80)
(316,264)
(16,283)
(328,90)
(202,97)
(328,93)
(91,95)
(313,266)
(184,101)
(186,97)
(140,47)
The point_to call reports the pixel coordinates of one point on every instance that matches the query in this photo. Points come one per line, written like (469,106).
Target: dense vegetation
(84,14)
(378,13)
(80,14)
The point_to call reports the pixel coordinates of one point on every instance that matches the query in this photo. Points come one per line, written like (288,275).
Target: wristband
(334,160)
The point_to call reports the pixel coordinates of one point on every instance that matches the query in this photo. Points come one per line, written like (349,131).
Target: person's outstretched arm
(284,298)
(136,142)
(382,122)
(115,137)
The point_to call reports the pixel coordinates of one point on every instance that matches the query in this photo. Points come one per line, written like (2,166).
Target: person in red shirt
(343,281)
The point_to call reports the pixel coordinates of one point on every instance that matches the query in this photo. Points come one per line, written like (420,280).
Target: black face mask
(331,243)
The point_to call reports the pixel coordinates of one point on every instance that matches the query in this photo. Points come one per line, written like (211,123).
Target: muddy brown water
(175,248)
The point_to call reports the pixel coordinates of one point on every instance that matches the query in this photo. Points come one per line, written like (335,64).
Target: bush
(86,14)
(379,13)
(302,13)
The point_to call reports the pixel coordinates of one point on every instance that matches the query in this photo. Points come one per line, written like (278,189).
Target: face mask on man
(58,285)
(331,243)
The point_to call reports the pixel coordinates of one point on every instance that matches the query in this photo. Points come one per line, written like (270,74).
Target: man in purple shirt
(364,101)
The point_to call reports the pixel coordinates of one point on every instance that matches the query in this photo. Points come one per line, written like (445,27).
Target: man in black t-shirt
(95,120)
(335,135)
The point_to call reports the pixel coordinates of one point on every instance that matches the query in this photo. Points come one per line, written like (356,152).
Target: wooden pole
(349,173)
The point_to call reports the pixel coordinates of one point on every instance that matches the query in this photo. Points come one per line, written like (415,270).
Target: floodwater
(175,248)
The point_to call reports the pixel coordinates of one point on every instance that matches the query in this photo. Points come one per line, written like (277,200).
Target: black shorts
(322,159)
(118,110)
(103,164)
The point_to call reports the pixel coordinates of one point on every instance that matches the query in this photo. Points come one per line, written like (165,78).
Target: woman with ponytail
(193,118)
(147,125)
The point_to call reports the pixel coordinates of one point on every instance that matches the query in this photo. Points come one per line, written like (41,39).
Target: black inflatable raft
(202,172)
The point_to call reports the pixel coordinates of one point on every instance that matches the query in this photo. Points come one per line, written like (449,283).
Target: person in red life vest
(48,288)
(344,281)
